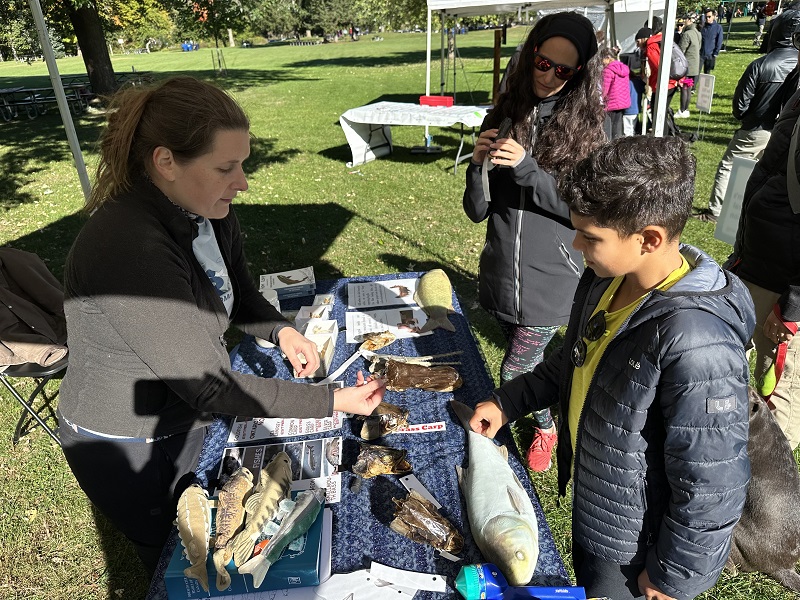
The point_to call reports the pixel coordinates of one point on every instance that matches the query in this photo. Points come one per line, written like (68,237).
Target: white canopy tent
(621,21)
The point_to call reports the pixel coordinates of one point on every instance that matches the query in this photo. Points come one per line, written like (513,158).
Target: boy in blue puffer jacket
(651,382)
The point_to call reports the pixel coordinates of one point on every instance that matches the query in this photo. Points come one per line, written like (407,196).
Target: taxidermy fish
(230,517)
(194,529)
(293,525)
(435,297)
(501,516)
(417,519)
(374,460)
(385,419)
(273,486)
(402,376)
(376,340)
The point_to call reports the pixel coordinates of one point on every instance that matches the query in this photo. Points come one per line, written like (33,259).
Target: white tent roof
(467,8)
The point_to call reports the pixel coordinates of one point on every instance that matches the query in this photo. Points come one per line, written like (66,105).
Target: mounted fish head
(278,469)
(374,460)
(512,545)
(241,475)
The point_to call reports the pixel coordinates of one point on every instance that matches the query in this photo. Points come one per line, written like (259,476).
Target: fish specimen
(194,529)
(402,376)
(501,516)
(262,506)
(374,460)
(333,450)
(417,519)
(376,340)
(385,419)
(435,297)
(289,281)
(230,516)
(293,525)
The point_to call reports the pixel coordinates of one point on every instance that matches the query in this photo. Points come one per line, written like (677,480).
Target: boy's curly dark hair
(633,182)
(576,125)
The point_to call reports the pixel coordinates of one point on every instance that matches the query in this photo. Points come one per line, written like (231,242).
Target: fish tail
(223,578)
(199,572)
(432,324)
(258,566)
(242,546)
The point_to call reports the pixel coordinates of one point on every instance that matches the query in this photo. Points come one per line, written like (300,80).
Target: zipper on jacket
(517,250)
(648,521)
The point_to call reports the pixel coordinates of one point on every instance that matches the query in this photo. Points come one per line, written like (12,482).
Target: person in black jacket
(651,382)
(711,35)
(154,279)
(766,258)
(528,269)
(754,105)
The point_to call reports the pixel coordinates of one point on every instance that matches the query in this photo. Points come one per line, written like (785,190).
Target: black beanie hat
(644,33)
(576,28)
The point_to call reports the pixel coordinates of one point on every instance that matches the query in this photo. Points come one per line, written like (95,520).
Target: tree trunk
(92,42)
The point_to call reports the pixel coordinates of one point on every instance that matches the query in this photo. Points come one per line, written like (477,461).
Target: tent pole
(441,57)
(61,98)
(428,55)
(455,57)
(612,25)
(730,24)
(664,62)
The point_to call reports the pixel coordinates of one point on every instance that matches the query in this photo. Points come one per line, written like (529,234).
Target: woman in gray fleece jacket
(153,281)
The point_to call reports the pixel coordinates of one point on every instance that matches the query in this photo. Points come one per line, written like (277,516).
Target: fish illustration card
(403,323)
(371,294)
(252,430)
(315,464)
(289,284)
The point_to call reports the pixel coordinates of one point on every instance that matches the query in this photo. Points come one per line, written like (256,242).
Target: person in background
(630,116)
(616,92)
(765,257)
(653,52)
(711,41)
(152,282)
(651,382)
(690,44)
(754,105)
(528,269)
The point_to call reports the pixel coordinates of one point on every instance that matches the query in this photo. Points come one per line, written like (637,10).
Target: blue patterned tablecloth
(361,521)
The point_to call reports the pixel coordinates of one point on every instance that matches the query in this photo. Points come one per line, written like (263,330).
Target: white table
(368,128)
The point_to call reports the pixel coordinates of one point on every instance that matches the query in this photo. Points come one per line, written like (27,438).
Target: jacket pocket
(648,527)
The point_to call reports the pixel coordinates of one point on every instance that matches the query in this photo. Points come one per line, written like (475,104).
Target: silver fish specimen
(230,517)
(417,519)
(293,525)
(273,486)
(435,296)
(501,516)
(194,530)
(385,419)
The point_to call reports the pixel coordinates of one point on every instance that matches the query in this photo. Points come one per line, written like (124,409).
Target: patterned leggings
(525,350)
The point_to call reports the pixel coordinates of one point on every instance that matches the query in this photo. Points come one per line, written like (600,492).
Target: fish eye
(520,555)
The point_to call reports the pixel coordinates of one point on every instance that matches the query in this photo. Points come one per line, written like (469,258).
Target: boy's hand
(362,398)
(650,591)
(488,418)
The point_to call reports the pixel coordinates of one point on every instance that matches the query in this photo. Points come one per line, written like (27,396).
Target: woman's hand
(650,591)
(361,399)
(775,329)
(293,343)
(506,152)
(488,418)
(482,145)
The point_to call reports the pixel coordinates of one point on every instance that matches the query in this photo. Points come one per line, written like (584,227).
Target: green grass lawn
(304,206)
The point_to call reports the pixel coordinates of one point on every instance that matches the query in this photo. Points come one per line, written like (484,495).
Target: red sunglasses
(544,64)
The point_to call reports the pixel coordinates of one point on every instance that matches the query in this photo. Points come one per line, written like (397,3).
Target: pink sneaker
(541,450)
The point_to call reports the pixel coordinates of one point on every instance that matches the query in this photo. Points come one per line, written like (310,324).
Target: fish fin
(503,452)
(416,299)
(460,476)
(223,577)
(442,322)
(258,566)
(463,412)
(252,503)
(242,545)
(516,499)
(198,572)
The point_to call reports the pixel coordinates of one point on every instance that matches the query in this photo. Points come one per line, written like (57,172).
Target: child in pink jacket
(616,91)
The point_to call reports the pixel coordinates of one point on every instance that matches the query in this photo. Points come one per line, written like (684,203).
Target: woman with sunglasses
(528,269)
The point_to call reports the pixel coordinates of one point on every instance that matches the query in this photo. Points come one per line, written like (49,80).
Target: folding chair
(41,375)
